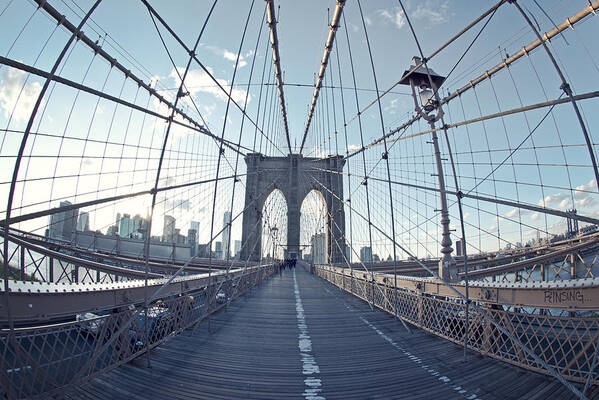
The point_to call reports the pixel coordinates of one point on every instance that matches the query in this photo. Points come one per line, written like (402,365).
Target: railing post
(51,269)
(487,334)
(420,308)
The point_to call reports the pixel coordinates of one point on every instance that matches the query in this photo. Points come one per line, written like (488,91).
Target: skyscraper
(83,221)
(237,248)
(63,224)
(168,231)
(218,250)
(226,235)
(195,225)
(126,225)
(366,254)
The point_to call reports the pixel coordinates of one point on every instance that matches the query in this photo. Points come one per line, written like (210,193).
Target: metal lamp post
(426,102)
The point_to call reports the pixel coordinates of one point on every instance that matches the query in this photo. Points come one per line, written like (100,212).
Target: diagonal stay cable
(205,69)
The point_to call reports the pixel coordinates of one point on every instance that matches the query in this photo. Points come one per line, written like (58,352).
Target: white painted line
(309,365)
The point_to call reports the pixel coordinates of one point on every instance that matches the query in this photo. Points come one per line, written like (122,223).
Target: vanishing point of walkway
(298,337)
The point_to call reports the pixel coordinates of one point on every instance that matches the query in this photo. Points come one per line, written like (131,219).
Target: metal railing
(566,343)
(41,360)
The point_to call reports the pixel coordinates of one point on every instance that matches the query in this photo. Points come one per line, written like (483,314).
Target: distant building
(117,223)
(83,221)
(218,250)
(319,251)
(366,254)
(126,226)
(202,251)
(168,231)
(237,249)
(458,248)
(63,224)
(196,226)
(347,252)
(112,230)
(226,235)
(192,237)
(179,239)
(139,227)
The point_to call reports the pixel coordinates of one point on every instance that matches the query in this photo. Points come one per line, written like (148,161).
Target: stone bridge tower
(295,176)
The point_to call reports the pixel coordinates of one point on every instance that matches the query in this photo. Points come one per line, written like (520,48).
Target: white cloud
(198,80)
(229,55)
(584,198)
(392,106)
(557,200)
(432,12)
(17,98)
(368,20)
(535,216)
(353,147)
(394,16)
(512,213)
(591,186)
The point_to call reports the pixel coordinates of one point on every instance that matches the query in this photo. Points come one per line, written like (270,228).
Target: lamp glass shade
(425,97)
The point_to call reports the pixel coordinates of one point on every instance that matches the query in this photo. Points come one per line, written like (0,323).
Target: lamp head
(419,76)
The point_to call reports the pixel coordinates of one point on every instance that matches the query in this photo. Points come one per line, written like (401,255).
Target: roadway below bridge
(298,337)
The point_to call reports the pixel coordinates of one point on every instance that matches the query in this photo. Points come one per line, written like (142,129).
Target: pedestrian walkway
(298,337)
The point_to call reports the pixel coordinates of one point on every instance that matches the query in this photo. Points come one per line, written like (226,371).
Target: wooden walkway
(298,337)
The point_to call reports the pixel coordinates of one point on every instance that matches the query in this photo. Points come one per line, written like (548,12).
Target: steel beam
(323,65)
(276,59)
(571,295)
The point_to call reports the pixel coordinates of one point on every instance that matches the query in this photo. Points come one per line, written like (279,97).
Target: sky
(86,148)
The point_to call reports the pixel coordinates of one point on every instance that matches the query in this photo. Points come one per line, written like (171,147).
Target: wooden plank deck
(257,350)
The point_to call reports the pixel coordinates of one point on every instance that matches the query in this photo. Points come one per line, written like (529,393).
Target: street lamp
(427,82)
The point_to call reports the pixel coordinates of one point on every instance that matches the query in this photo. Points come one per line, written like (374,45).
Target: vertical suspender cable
(386,158)
(365,182)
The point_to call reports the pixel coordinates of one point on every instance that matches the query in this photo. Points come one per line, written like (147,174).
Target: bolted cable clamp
(566,88)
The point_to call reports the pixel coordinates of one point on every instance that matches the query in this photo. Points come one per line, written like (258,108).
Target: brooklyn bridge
(268,200)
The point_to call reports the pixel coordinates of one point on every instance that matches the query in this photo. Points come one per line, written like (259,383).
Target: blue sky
(302,29)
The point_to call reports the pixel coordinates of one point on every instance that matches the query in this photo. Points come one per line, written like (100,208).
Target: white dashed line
(427,368)
(309,365)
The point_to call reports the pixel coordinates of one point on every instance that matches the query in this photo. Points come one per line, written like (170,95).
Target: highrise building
(117,222)
(191,237)
(366,254)
(179,239)
(195,225)
(63,224)
(218,250)
(226,235)
(168,231)
(126,225)
(237,248)
(136,222)
(319,251)
(83,222)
